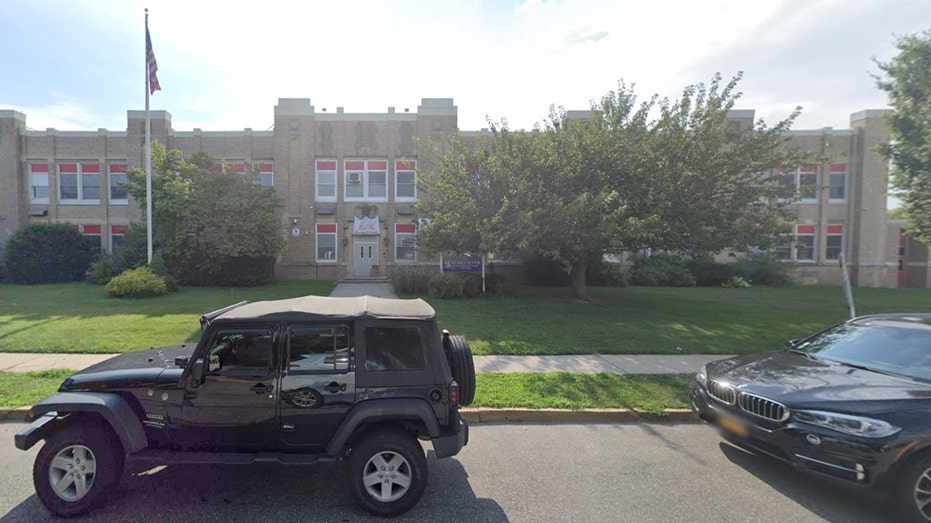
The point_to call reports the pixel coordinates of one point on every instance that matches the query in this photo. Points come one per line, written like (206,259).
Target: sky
(223,65)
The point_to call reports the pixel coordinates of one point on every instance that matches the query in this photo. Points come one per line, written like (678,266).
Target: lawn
(623,320)
(77,317)
(655,320)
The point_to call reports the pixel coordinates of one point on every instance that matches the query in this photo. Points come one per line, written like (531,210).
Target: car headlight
(702,374)
(846,423)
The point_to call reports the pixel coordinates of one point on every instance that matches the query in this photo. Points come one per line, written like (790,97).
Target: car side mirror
(197,374)
(791,343)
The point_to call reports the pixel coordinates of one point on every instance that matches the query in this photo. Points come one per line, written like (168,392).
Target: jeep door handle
(335,387)
(261,388)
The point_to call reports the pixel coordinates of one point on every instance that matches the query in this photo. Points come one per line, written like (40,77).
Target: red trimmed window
(405,186)
(326,180)
(834,242)
(326,242)
(79,182)
(404,241)
(117,175)
(38,183)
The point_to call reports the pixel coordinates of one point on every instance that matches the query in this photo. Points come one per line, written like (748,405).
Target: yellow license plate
(732,425)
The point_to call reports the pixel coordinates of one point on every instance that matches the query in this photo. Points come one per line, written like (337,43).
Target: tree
(667,175)
(211,227)
(907,82)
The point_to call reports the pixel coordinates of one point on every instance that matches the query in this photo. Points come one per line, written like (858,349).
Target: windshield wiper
(803,353)
(869,369)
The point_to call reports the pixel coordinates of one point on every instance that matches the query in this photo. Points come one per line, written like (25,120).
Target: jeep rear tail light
(454,392)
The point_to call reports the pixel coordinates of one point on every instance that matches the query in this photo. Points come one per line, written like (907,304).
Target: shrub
(605,274)
(447,286)
(544,272)
(101,271)
(736,282)
(661,270)
(137,283)
(763,271)
(709,273)
(49,253)
(412,279)
(158,267)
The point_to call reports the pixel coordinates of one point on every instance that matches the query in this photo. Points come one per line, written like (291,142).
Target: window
(38,183)
(326,242)
(326,181)
(266,176)
(834,242)
(79,182)
(405,181)
(404,242)
(798,246)
(800,184)
(117,238)
(117,174)
(783,248)
(245,351)
(837,189)
(393,348)
(805,243)
(808,183)
(366,180)
(90,230)
(318,349)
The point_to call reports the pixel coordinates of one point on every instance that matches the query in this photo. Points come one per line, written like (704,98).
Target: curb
(482,415)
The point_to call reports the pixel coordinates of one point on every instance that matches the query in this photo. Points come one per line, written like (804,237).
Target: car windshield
(897,348)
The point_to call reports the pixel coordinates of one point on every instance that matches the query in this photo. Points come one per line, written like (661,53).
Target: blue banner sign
(463,265)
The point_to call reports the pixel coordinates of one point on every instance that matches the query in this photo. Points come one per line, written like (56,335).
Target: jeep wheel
(387,472)
(75,468)
(462,367)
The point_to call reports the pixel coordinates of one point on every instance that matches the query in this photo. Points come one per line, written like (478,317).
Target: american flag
(151,63)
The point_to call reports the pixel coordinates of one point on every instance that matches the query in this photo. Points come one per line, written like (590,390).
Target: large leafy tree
(210,226)
(907,81)
(673,175)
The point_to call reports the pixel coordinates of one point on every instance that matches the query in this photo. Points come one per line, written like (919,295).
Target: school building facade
(348,186)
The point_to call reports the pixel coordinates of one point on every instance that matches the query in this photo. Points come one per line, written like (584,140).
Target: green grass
(561,390)
(76,317)
(26,389)
(626,320)
(655,320)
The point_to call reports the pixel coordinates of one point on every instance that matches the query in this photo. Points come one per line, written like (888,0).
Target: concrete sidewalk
(578,364)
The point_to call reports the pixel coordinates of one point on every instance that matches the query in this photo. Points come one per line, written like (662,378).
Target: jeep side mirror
(197,373)
(791,343)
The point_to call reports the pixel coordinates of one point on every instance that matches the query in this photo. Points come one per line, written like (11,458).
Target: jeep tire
(387,471)
(76,468)
(462,367)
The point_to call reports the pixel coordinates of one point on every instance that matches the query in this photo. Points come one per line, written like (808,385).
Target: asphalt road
(509,472)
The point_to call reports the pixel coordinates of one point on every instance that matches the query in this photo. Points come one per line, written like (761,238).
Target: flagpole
(148,148)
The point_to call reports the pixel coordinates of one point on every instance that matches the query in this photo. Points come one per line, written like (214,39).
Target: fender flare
(111,407)
(374,411)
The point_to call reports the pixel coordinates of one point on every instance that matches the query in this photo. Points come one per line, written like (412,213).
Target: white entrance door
(365,257)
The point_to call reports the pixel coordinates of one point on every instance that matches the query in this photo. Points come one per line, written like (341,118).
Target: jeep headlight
(702,374)
(847,423)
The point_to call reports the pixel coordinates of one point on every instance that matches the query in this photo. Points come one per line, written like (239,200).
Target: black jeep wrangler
(301,381)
